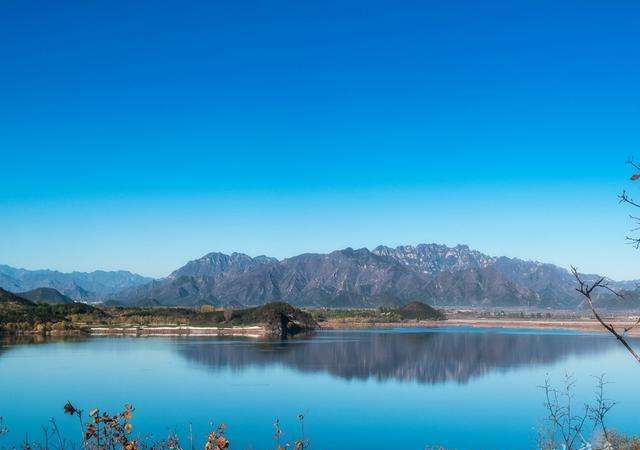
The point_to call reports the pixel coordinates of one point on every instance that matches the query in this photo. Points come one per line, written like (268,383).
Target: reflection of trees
(423,357)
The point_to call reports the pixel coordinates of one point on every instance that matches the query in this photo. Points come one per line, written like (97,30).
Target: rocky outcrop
(434,258)
(280,320)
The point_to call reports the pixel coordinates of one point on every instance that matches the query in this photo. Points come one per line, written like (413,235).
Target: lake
(468,389)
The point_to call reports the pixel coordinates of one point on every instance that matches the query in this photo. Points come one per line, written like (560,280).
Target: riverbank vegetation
(410,313)
(21,316)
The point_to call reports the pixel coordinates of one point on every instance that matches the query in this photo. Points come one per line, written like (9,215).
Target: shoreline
(591,326)
(260,332)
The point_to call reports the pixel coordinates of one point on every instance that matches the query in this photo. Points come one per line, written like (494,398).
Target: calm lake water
(462,388)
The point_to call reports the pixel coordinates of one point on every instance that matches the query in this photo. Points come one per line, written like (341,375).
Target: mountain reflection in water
(425,356)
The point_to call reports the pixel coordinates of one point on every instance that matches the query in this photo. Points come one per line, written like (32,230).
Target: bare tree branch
(625,198)
(567,426)
(586,290)
(632,163)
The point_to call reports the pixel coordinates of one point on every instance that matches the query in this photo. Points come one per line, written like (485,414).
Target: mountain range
(97,285)
(385,276)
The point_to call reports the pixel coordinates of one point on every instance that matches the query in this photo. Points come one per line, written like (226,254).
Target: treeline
(20,316)
(414,311)
(43,317)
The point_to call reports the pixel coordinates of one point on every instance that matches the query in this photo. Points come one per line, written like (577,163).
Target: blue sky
(139,135)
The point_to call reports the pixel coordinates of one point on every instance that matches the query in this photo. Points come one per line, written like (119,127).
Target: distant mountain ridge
(385,276)
(96,285)
(432,273)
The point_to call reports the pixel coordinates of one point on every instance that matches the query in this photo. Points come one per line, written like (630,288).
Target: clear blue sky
(139,135)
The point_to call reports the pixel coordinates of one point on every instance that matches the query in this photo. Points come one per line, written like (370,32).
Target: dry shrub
(618,441)
(105,431)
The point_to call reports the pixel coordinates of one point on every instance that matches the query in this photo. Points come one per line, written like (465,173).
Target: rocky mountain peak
(435,258)
(215,264)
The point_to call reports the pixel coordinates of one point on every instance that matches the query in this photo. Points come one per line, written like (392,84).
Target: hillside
(17,313)
(9,300)
(342,278)
(46,295)
(420,311)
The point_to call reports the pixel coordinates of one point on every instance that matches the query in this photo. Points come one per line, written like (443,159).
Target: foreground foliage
(569,426)
(104,431)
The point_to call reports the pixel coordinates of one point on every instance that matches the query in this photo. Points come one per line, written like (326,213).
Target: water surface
(463,388)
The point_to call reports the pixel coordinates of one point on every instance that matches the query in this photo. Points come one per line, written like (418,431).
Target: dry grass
(101,430)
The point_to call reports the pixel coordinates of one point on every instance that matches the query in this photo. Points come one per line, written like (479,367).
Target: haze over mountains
(385,276)
(97,285)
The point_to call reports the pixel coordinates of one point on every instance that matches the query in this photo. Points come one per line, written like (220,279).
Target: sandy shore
(577,325)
